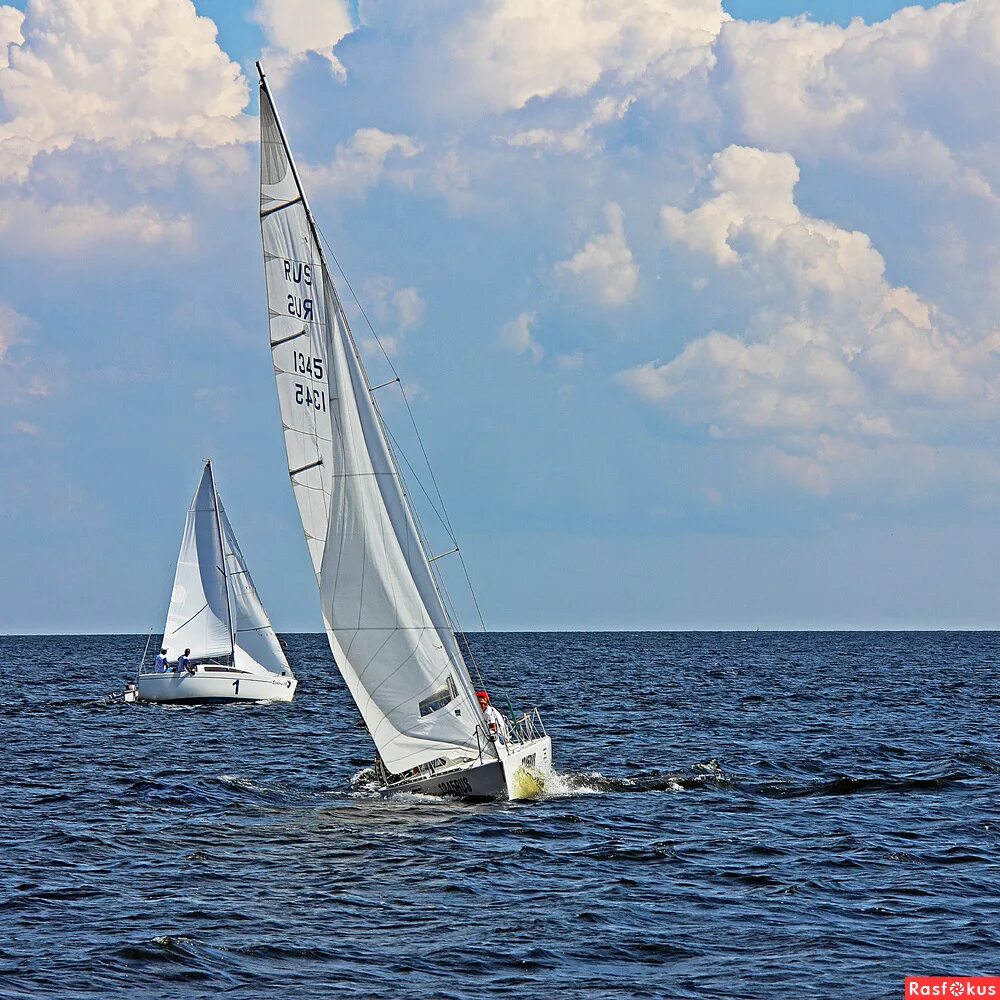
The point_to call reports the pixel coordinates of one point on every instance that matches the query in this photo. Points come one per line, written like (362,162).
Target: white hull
(520,773)
(201,687)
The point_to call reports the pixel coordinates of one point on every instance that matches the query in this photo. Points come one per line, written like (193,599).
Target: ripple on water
(790,814)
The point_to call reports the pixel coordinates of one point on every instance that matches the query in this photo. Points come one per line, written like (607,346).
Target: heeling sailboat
(215,612)
(390,633)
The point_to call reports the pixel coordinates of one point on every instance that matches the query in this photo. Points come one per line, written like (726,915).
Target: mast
(222,552)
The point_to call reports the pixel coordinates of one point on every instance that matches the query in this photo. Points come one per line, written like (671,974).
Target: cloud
(578,139)
(122,76)
(604,267)
(395,311)
(17,382)
(361,163)
(517,336)
(895,94)
(11,325)
(508,52)
(296,28)
(65,229)
(833,357)
(11,20)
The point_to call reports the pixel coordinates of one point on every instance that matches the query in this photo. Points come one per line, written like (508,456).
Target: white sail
(198,616)
(389,632)
(257,647)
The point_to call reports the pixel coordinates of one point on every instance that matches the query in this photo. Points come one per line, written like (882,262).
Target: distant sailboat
(216,613)
(389,630)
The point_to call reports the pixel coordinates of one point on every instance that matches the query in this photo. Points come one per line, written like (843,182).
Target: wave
(710,776)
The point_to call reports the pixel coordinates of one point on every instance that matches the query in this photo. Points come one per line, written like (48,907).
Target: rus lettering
(298,272)
(300,308)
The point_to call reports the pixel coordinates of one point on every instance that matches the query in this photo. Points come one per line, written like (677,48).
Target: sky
(695,302)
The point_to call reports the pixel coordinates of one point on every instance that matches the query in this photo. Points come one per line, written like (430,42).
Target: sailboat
(216,613)
(387,623)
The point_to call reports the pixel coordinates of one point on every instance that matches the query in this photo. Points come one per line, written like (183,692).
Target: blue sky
(695,304)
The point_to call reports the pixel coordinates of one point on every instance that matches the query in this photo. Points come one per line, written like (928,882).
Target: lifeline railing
(523,730)
(529,727)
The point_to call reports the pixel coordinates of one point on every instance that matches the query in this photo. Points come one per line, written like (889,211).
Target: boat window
(439,698)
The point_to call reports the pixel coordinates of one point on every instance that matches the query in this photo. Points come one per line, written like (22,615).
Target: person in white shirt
(184,664)
(496,723)
(160,663)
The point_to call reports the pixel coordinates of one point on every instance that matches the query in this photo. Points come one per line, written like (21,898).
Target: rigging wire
(443,513)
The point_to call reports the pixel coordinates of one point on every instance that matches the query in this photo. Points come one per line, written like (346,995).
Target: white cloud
(898,94)
(11,20)
(604,267)
(17,381)
(296,28)
(11,325)
(580,138)
(510,51)
(834,357)
(362,162)
(395,311)
(118,75)
(517,336)
(63,229)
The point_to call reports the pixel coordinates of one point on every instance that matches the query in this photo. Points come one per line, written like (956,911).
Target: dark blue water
(738,815)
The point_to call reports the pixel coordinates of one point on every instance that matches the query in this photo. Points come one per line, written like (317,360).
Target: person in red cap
(495,721)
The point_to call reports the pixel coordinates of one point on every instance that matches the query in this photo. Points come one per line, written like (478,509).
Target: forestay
(257,647)
(388,629)
(198,616)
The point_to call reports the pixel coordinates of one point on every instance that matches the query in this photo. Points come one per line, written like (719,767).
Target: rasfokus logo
(970,987)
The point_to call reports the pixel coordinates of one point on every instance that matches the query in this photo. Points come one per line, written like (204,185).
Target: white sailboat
(216,613)
(388,627)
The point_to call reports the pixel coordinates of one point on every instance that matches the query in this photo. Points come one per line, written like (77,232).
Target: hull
(520,773)
(189,689)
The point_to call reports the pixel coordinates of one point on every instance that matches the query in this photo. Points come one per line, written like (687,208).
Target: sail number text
(305,395)
(300,305)
(299,274)
(305,365)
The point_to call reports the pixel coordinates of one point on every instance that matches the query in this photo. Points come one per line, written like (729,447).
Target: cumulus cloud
(605,267)
(395,311)
(117,75)
(296,28)
(517,336)
(581,137)
(11,20)
(833,356)
(17,381)
(362,162)
(896,94)
(11,325)
(511,51)
(63,229)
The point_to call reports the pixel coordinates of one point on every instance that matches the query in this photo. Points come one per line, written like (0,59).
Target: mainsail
(199,617)
(390,634)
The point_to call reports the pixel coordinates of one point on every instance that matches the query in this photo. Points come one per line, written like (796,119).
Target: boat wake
(710,776)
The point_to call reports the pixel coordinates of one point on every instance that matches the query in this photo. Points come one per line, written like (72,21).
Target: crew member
(184,664)
(160,663)
(496,723)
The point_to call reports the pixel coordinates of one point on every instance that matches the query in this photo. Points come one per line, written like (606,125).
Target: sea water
(735,815)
